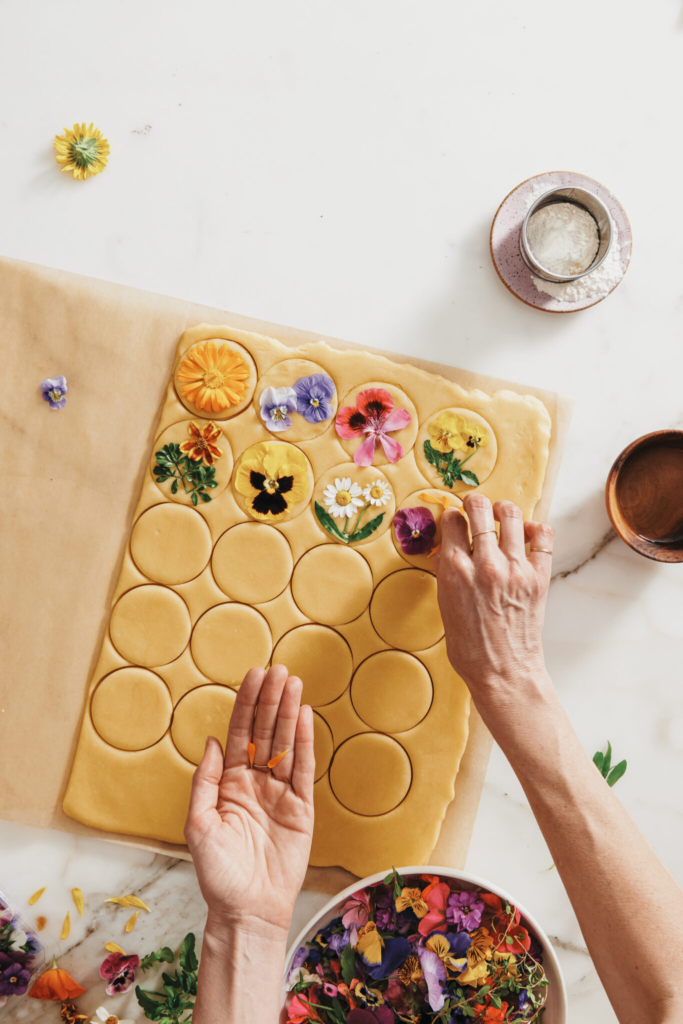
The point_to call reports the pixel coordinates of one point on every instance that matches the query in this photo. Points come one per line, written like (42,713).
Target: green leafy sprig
(603,763)
(194,476)
(356,534)
(449,468)
(393,878)
(177,998)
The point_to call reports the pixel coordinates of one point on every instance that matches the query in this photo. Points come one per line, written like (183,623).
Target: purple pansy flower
(119,971)
(415,529)
(464,910)
(14,980)
(395,952)
(54,389)
(277,406)
(339,941)
(434,973)
(299,958)
(459,942)
(314,397)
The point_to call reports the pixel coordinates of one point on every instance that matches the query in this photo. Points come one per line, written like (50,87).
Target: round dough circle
(405,611)
(406,436)
(370,774)
(150,625)
(285,374)
(368,478)
(178,433)
(415,501)
(228,640)
(392,691)
(252,562)
(131,708)
(332,584)
(204,711)
(256,453)
(323,745)
(320,657)
(481,463)
(233,410)
(170,543)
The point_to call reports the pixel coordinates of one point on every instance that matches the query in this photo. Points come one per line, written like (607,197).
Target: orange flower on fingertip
(202,443)
(56,984)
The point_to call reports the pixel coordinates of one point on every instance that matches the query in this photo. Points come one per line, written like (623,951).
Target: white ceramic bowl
(557,1009)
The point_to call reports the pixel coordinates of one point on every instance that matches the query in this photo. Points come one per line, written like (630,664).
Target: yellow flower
(474,436)
(216,378)
(410,971)
(505,966)
(474,975)
(370,943)
(480,947)
(369,996)
(82,151)
(446,432)
(411,899)
(440,945)
(273,478)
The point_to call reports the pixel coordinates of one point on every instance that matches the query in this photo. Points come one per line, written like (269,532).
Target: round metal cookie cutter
(585,200)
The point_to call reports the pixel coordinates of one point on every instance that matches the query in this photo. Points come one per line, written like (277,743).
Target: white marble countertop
(336,167)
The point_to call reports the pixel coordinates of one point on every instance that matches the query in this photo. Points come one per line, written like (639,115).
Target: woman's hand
(249,831)
(492,597)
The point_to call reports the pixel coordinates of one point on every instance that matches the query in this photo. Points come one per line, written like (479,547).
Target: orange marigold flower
(213,378)
(56,984)
(202,443)
(71,1015)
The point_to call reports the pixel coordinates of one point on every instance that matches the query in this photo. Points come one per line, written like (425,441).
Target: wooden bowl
(644,495)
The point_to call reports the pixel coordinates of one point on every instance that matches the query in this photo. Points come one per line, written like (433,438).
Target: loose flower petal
(112,947)
(36,896)
(274,761)
(66,927)
(122,901)
(251,750)
(135,901)
(78,900)
(131,923)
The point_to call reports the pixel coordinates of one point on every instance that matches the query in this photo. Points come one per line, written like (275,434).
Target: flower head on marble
(314,396)
(53,390)
(272,478)
(277,406)
(14,980)
(343,498)
(375,417)
(82,150)
(213,377)
(202,444)
(119,972)
(377,493)
(70,1015)
(102,1016)
(415,530)
(56,984)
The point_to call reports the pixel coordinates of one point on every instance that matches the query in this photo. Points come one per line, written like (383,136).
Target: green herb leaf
(607,763)
(328,523)
(598,759)
(616,773)
(348,963)
(369,528)
(188,958)
(469,478)
(195,500)
(496,1000)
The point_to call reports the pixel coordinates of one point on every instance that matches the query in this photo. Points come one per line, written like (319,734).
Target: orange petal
(251,750)
(276,760)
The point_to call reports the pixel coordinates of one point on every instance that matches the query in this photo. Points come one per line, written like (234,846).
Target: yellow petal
(370,943)
(135,901)
(36,896)
(78,900)
(121,900)
(440,945)
(66,927)
(111,947)
(131,923)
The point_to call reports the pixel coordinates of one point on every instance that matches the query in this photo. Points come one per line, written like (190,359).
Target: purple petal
(434,973)
(299,957)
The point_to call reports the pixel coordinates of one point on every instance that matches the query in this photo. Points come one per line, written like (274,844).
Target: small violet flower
(314,397)
(277,406)
(53,390)
(14,980)
(465,910)
(415,530)
(119,971)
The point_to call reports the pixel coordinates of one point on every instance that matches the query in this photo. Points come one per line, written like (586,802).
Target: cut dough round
(320,657)
(204,711)
(370,774)
(392,691)
(179,433)
(131,708)
(416,500)
(252,562)
(203,361)
(323,745)
(273,481)
(150,625)
(481,463)
(405,611)
(170,543)
(405,437)
(346,485)
(332,584)
(285,374)
(228,640)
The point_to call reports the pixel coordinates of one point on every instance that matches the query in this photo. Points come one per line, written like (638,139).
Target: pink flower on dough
(375,416)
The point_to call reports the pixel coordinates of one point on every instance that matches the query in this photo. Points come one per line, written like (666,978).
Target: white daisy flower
(377,493)
(102,1016)
(343,498)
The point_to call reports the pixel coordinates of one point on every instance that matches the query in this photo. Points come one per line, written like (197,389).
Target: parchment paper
(70,484)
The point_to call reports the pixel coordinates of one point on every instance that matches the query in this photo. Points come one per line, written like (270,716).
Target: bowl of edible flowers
(422,945)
